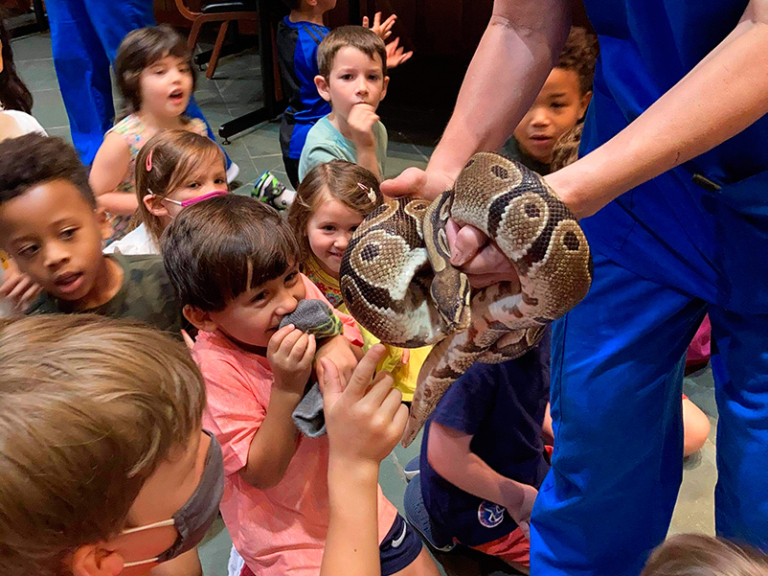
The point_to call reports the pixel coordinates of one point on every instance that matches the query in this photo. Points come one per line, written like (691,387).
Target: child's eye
(193,185)
(558,105)
(329,228)
(28,251)
(220,181)
(346,77)
(353,228)
(259,297)
(184,69)
(68,234)
(292,277)
(374,77)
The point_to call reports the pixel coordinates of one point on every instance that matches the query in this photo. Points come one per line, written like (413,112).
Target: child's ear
(384,90)
(155,207)
(199,319)
(96,560)
(323,88)
(584,104)
(104,223)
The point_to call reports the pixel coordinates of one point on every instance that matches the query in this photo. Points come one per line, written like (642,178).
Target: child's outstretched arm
(449,455)
(364,424)
(290,353)
(109,167)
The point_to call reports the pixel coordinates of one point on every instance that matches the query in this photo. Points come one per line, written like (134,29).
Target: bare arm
(109,167)
(449,455)
(514,57)
(689,120)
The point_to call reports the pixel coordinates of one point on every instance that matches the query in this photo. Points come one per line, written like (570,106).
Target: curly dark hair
(30,160)
(139,50)
(579,54)
(14,94)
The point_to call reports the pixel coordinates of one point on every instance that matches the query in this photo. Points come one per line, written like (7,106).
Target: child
(51,227)
(298,36)
(483,459)
(15,97)
(353,78)
(559,106)
(331,202)
(234,264)
(173,170)
(699,555)
(105,468)
(156,79)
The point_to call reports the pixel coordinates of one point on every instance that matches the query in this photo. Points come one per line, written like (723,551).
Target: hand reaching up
(396,54)
(364,416)
(382,29)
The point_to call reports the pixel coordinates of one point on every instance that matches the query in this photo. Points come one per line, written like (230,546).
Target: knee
(696,428)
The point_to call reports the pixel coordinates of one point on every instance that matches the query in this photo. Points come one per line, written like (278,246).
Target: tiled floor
(234,91)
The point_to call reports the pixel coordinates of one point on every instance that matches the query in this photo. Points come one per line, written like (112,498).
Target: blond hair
(357,37)
(90,407)
(174,154)
(699,555)
(352,185)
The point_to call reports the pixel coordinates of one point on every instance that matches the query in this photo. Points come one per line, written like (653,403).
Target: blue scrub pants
(617,361)
(85,35)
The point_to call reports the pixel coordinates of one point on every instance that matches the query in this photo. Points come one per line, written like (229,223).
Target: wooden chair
(224,12)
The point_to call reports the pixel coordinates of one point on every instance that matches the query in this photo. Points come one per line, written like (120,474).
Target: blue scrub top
(706,243)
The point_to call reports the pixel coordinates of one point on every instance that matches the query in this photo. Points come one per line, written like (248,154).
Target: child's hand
(363,423)
(395,54)
(361,120)
(17,288)
(290,353)
(341,352)
(381,29)
(521,513)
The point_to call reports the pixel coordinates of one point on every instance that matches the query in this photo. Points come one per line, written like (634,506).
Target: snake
(397,281)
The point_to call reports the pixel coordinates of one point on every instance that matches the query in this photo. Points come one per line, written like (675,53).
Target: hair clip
(369,191)
(149,161)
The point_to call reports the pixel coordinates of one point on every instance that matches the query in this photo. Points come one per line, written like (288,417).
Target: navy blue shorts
(401,546)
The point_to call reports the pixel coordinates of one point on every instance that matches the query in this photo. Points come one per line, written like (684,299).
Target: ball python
(397,281)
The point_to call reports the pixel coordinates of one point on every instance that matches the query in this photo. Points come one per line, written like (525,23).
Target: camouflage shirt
(146,294)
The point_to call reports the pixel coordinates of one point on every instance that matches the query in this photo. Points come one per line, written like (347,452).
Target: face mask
(193,520)
(189,202)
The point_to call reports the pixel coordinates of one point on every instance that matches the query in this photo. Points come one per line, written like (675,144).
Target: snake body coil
(397,281)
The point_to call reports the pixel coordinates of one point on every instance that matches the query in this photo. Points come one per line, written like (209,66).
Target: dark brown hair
(138,51)
(30,160)
(176,154)
(579,54)
(216,250)
(91,406)
(340,180)
(354,37)
(699,555)
(14,94)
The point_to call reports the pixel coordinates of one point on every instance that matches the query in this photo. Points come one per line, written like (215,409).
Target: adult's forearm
(119,203)
(514,57)
(719,98)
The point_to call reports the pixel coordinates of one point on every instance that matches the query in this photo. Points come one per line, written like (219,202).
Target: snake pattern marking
(397,281)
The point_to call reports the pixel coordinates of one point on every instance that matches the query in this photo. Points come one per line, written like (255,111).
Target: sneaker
(270,190)
(232,171)
(418,517)
(411,469)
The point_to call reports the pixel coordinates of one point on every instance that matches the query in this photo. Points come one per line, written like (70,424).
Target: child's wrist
(352,470)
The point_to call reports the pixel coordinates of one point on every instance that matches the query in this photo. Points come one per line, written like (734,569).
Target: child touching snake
(332,201)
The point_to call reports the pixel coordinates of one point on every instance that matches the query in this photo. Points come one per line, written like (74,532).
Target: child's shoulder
(129,124)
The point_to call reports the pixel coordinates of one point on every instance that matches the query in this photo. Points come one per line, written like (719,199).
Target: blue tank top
(672,229)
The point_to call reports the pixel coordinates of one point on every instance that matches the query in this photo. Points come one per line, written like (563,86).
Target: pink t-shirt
(280,530)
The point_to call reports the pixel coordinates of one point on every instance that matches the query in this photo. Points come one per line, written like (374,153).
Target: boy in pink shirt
(234,264)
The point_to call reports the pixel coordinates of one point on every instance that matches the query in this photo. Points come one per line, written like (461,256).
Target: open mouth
(68,282)
(177,96)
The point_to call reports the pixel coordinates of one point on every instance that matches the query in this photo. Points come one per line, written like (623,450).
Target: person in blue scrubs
(85,35)
(672,187)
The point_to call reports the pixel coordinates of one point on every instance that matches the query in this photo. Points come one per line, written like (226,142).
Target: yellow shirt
(405,375)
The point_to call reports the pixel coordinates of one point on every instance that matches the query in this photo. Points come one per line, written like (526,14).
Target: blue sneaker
(418,517)
(411,469)
(270,190)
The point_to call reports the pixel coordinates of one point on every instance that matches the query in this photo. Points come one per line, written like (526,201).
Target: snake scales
(397,281)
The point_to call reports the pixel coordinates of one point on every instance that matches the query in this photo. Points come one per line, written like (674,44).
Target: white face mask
(192,520)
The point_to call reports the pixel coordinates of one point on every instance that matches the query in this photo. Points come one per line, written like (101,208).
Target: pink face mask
(189,202)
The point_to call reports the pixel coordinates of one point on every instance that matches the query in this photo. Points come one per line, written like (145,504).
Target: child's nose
(342,241)
(540,117)
(55,255)
(288,303)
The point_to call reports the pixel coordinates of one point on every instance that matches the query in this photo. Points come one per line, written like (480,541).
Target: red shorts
(513,548)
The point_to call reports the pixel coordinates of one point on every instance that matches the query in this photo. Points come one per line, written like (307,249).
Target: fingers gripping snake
(397,281)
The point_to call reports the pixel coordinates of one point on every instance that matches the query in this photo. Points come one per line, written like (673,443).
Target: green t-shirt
(325,143)
(146,294)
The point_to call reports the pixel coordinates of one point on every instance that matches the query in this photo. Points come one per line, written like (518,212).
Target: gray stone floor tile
(40,75)
(49,109)
(33,47)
